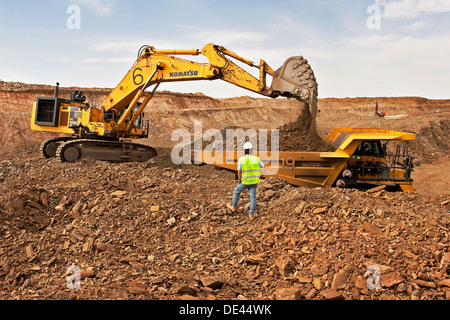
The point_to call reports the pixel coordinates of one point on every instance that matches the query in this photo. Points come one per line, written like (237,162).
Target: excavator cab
(78,96)
(139,125)
(373,161)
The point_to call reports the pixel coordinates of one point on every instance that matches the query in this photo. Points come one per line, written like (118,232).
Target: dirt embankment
(167,112)
(428,119)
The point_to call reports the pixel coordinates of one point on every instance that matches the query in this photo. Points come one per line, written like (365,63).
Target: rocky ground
(158,231)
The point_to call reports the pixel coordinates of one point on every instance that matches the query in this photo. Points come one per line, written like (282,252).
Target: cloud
(120,60)
(380,64)
(92,60)
(101,7)
(227,36)
(116,45)
(131,45)
(408,9)
(414,27)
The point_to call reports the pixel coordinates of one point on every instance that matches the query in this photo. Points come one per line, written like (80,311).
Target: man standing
(250,168)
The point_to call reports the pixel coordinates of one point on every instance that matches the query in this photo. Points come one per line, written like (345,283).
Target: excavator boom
(295,79)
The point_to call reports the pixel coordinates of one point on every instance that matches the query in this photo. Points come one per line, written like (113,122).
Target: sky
(356,48)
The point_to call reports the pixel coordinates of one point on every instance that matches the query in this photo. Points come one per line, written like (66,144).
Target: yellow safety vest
(251,171)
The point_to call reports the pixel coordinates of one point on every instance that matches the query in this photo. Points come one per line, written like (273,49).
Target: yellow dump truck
(362,157)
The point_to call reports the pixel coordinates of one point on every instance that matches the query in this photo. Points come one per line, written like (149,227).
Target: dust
(301,135)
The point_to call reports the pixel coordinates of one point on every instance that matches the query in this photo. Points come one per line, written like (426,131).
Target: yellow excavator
(106,132)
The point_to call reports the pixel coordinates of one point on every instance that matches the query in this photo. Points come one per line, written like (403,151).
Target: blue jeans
(252,192)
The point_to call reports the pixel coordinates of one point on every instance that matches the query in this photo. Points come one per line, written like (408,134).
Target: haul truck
(361,158)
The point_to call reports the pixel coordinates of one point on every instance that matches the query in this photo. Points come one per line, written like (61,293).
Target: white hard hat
(248,145)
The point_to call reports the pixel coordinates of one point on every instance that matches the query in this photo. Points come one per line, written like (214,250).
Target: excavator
(107,132)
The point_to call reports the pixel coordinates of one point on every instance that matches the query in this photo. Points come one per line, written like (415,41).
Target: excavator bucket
(295,79)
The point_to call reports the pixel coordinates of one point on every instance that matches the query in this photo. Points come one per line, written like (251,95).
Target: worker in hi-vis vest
(250,169)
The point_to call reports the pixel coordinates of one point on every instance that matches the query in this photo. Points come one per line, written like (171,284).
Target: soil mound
(298,135)
(432,142)
(301,135)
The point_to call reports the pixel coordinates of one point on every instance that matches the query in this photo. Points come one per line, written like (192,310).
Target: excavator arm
(232,73)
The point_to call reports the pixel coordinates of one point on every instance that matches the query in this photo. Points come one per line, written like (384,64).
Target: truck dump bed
(323,169)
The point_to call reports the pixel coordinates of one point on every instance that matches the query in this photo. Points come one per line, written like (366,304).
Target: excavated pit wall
(171,111)
(167,112)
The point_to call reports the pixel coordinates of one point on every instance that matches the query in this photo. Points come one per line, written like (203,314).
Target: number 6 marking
(136,76)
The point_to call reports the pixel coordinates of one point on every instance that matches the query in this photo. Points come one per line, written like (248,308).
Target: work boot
(252,216)
(229,206)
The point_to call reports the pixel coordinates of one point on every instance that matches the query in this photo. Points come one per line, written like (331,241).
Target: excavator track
(112,151)
(49,146)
